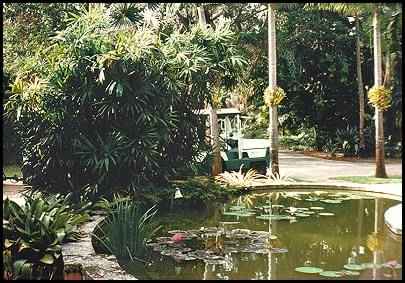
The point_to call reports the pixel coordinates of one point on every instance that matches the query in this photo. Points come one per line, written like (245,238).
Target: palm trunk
(216,167)
(360,90)
(273,120)
(379,119)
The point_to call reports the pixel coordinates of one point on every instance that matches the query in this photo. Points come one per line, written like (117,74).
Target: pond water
(245,238)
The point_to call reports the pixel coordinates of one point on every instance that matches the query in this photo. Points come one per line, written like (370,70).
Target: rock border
(324,187)
(95,266)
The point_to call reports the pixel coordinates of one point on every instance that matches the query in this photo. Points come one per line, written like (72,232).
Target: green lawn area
(369,179)
(12,170)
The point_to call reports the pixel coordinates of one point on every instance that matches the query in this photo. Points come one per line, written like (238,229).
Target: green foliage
(347,140)
(114,107)
(33,234)
(305,140)
(126,229)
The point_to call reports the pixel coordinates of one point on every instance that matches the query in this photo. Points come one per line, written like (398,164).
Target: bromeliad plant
(126,229)
(33,234)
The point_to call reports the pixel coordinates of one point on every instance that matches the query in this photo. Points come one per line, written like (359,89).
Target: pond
(302,235)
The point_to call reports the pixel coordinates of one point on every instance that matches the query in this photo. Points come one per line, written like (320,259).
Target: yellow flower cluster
(380,97)
(273,97)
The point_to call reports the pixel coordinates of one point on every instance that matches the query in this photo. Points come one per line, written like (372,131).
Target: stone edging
(96,266)
(325,187)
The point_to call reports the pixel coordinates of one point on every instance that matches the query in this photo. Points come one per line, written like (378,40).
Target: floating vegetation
(239,213)
(275,217)
(210,244)
(326,214)
(332,274)
(370,265)
(302,214)
(237,207)
(334,201)
(309,269)
(355,267)
(312,199)
(317,208)
(350,273)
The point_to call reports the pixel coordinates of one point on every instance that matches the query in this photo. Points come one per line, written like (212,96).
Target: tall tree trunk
(216,167)
(273,120)
(379,119)
(360,89)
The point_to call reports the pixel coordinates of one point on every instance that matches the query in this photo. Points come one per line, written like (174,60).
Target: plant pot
(73,272)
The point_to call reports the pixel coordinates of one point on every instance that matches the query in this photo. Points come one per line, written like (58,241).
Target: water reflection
(352,233)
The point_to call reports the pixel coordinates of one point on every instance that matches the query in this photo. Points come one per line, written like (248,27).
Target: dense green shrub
(33,234)
(115,107)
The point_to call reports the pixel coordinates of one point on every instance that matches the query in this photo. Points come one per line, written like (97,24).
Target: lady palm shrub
(114,108)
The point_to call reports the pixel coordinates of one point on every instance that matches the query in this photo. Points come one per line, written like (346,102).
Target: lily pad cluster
(326,273)
(211,244)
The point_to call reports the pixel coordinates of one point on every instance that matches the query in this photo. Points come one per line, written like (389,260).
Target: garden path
(319,170)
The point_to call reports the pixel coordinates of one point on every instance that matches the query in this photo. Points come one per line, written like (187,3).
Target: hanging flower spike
(380,97)
(273,97)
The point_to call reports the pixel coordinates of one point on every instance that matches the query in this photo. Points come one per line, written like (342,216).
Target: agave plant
(239,179)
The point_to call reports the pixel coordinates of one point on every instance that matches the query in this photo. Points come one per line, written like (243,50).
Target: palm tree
(216,167)
(273,120)
(380,171)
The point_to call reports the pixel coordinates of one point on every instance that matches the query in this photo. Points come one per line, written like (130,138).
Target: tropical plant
(278,178)
(347,141)
(33,234)
(78,127)
(126,229)
(239,179)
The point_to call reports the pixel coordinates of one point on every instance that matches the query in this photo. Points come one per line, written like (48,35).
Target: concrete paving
(319,170)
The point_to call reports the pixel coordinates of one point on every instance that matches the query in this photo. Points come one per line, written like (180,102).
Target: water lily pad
(236,207)
(275,217)
(331,201)
(303,208)
(311,199)
(239,213)
(229,223)
(279,250)
(309,269)
(177,232)
(333,274)
(326,214)
(350,273)
(353,267)
(302,215)
(273,237)
(317,208)
(370,265)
